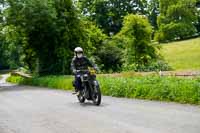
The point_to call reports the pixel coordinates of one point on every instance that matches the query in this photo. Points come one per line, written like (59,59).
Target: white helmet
(78,50)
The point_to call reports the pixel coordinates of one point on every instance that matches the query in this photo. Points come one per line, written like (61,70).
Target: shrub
(159,65)
(175,31)
(155,65)
(110,58)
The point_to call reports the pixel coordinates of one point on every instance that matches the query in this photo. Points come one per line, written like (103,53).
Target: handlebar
(82,70)
(91,71)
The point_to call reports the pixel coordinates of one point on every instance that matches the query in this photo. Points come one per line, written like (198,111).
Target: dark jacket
(81,63)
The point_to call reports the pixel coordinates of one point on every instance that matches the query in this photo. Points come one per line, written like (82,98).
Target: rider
(80,62)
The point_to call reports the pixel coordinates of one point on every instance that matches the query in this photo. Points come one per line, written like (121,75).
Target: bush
(155,65)
(109,57)
(159,65)
(175,31)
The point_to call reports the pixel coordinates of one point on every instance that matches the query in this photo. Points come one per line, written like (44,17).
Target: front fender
(96,83)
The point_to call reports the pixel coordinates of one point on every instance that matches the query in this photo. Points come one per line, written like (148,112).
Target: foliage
(151,87)
(3,59)
(12,49)
(108,14)
(94,37)
(153,12)
(52,29)
(109,57)
(197,24)
(41,34)
(59,82)
(101,49)
(176,31)
(155,65)
(136,37)
(176,20)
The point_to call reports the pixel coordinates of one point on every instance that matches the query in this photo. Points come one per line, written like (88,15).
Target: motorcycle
(90,87)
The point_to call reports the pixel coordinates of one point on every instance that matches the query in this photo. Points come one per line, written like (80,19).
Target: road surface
(25,109)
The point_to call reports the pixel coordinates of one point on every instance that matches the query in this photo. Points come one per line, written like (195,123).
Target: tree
(94,37)
(153,12)
(108,14)
(197,25)
(136,35)
(3,60)
(176,20)
(52,30)
(69,33)
(101,49)
(10,47)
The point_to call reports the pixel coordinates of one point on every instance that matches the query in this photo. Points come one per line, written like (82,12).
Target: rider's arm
(91,64)
(73,68)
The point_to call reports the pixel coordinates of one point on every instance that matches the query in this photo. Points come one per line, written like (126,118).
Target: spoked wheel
(81,97)
(97,96)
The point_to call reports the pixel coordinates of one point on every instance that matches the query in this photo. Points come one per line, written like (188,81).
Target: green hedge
(58,82)
(154,88)
(182,90)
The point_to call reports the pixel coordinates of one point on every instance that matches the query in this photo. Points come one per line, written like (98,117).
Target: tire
(81,98)
(97,96)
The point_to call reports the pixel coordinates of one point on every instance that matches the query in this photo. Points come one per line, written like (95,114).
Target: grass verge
(58,82)
(181,90)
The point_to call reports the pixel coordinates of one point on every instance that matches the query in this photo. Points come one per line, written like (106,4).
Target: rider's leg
(77,84)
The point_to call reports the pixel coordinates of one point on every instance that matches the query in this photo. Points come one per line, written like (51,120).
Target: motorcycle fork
(91,87)
(86,90)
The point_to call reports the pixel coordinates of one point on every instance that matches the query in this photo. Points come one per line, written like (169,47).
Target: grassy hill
(183,55)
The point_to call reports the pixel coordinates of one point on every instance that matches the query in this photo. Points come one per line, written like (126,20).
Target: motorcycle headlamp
(85,77)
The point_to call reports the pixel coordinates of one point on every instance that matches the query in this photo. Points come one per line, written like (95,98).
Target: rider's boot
(75,92)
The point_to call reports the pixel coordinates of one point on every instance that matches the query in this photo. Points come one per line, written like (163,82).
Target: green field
(183,55)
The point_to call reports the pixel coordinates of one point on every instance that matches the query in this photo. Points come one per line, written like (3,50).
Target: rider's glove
(96,69)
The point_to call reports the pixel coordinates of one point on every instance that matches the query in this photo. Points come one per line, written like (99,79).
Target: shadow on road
(18,88)
(86,104)
(89,103)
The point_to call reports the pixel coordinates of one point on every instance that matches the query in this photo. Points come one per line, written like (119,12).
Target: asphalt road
(25,109)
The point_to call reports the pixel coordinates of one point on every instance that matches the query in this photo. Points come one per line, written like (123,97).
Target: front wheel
(97,96)
(81,97)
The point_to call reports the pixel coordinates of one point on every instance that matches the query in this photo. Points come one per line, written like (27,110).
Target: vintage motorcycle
(90,86)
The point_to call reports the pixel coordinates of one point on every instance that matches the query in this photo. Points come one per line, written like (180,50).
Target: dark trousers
(78,85)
